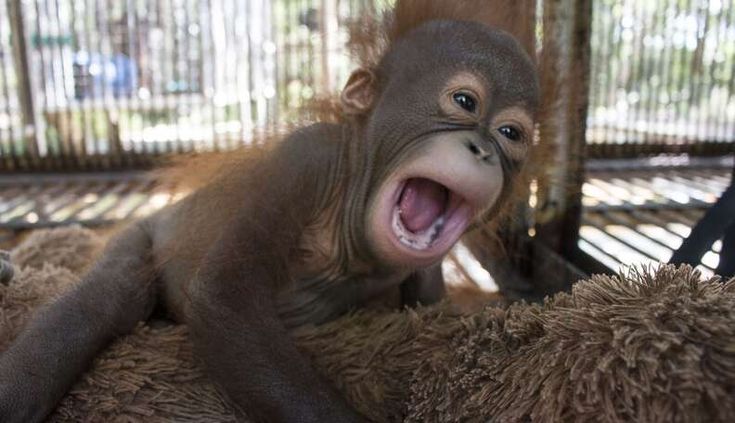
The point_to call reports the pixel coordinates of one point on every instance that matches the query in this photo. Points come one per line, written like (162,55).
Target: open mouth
(427,214)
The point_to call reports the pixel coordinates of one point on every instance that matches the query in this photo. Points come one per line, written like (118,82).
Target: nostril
(479,152)
(474,149)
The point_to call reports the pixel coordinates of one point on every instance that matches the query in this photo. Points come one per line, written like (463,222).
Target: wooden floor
(641,215)
(38,201)
(632,215)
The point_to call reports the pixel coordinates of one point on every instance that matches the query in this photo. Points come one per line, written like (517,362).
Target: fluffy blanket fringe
(655,345)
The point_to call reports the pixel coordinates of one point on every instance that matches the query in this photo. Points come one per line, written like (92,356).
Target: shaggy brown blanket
(651,346)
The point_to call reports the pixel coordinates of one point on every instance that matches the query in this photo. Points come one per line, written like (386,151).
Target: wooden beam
(564,67)
(328,26)
(23,76)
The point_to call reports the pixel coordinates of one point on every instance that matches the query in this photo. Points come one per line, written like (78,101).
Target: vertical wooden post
(524,14)
(328,26)
(564,68)
(23,75)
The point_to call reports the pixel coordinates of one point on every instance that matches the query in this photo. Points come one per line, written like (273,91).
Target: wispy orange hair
(372,36)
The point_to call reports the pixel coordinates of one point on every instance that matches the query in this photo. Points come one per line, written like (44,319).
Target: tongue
(421,203)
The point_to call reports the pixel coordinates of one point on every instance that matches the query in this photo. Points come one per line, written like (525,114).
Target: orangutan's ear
(359,93)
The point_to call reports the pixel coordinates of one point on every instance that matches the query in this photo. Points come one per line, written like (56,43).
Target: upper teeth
(418,241)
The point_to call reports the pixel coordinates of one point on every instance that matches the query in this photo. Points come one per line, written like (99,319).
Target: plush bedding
(656,345)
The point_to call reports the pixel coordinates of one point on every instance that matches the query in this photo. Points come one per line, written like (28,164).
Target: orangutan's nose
(481,153)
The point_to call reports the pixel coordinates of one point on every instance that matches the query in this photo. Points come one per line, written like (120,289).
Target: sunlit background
(103,85)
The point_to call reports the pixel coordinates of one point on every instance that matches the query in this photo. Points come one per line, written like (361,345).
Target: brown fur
(510,16)
(370,36)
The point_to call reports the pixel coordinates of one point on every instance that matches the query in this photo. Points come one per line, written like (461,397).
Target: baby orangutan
(430,141)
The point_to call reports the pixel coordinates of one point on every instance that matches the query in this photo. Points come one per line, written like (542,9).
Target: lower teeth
(420,241)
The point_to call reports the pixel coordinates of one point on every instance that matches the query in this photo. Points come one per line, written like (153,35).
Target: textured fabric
(651,346)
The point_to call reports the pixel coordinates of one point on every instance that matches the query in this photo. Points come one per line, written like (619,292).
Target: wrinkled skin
(333,217)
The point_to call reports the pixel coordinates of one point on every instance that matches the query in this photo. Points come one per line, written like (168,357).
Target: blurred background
(94,92)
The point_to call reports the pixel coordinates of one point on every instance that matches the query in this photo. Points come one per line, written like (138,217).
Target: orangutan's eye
(465,101)
(510,132)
